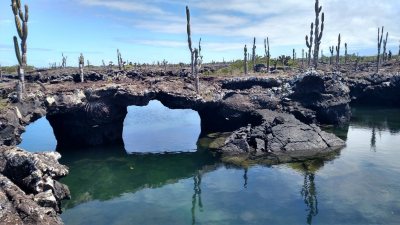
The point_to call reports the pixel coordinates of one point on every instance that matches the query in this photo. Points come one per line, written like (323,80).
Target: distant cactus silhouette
(331,49)
(81,60)
(380,38)
(245,60)
(254,55)
(309,43)
(338,52)
(267,52)
(64,61)
(384,47)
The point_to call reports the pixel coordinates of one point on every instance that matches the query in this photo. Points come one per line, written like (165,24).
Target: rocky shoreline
(271,119)
(29,190)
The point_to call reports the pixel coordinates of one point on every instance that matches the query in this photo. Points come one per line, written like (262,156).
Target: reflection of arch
(91,166)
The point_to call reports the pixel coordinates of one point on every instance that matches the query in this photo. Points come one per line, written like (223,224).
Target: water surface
(361,185)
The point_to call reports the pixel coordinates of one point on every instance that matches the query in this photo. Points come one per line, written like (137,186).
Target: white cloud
(285,22)
(129,6)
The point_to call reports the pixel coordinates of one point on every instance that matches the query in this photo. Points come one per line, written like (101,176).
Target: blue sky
(153,30)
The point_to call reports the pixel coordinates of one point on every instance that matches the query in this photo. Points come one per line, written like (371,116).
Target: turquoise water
(361,185)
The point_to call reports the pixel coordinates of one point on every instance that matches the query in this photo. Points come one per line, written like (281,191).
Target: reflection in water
(377,118)
(373,139)
(106,173)
(309,194)
(196,196)
(309,190)
(356,187)
(245,178)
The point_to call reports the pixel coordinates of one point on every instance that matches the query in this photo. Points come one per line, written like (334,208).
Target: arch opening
(39,137)
(156,128)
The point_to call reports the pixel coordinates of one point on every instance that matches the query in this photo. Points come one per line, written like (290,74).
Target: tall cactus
(338,52)
(309,43)
(189,34)
(195,53)
(380,38)
(318,33)
(245,59)
(384,47)
(81,60)
(21,23)
(345,53)
(267,52)
(254,55)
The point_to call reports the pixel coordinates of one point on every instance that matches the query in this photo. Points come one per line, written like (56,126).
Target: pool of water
(360,185)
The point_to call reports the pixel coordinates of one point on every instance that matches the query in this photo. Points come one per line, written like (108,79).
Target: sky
(148,31)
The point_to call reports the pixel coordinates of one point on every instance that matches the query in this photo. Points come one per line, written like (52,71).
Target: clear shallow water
(361,185)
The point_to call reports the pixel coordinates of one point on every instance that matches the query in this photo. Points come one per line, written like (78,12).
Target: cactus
(200,60)
(21,23)
(356,64)
(384,47)
(331,51)
(196,69)
(399,51)
(81,65)
(196,59)
(380,38)
(165,63)
(345,53)
(294,55)
(189,34)
(245,59)
(317,32)
(267,52)
(338,52)
(322,56)
(64,61)
(254,55)
(309,43)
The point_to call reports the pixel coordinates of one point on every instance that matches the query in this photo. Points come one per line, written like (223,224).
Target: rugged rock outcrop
(327,96)
(29,190)
(375,89)
(280,138)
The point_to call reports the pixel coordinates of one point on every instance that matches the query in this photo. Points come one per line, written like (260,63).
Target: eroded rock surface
(29,190)
(280,138)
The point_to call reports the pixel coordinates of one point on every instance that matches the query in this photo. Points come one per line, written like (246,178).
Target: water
(156,128)
(361,185)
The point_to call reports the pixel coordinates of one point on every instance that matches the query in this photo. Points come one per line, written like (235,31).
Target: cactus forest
(199,112)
